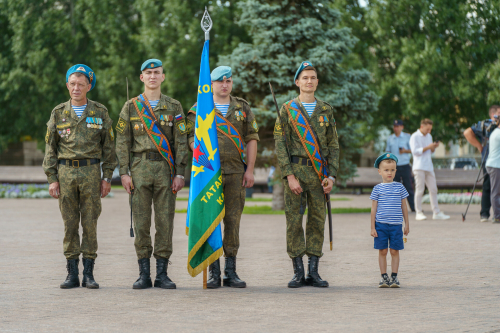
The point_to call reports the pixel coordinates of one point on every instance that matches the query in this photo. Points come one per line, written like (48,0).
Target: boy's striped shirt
(388,197)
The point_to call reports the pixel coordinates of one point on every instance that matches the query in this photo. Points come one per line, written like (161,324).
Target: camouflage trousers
(234,201)
(152,186)
(80,197)
(312,244)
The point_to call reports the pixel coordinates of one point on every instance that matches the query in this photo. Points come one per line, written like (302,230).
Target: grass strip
(267,210)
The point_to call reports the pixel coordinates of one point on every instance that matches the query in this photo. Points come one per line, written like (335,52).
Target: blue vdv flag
(206,199)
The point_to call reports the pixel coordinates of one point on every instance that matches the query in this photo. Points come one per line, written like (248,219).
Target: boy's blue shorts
(389,235)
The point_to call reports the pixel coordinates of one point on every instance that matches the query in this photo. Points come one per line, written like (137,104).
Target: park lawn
(267,210)
(265,199)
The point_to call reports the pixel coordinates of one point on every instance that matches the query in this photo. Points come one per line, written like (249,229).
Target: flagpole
(206,26)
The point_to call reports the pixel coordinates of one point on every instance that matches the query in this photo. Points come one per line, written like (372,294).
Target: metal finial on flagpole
(206,24)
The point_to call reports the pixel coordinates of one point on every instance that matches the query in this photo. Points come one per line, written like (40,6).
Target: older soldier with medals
(79,137)
(308,156)
(152,129)
(236,126)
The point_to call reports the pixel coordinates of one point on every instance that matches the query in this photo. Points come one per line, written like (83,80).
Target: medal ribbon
(148,119)
(307,137)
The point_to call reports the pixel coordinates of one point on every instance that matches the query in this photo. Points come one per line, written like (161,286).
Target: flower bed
(455,198)
(28,191)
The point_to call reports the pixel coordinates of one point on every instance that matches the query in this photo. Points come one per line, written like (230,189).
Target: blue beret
(85,70)
(303,65)
(219,73)
(151,63)
(385,156)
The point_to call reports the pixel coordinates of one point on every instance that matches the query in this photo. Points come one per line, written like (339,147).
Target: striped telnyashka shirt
(388,197)
(222,108)
(79,109)
(309,107)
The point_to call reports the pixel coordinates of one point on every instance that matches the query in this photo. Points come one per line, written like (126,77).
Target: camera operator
(477,135)
(399,145)
(493,168)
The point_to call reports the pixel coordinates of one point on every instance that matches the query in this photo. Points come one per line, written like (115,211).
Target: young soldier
(235,124)
(309,127)
(152,129)
(79,137)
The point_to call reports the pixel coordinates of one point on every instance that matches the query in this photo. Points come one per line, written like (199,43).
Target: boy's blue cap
(85,70)
(151,63)
(398,122)
(303,65)
(219,73)
(385,156)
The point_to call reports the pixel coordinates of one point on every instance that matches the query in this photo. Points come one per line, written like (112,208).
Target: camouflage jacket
(327,136)
(69,137)
(230,159)
(131,136)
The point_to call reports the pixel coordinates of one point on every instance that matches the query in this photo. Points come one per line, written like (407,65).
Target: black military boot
(214,275)
(231,279)
(298,277)
(313,278)
(144,280)
(72,280)
(88,274)
(162,280)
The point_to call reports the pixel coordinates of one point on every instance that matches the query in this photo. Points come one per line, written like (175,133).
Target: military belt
(301,161)
(79,163)
(150,155)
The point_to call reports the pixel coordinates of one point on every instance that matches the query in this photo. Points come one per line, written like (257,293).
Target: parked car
(463,163)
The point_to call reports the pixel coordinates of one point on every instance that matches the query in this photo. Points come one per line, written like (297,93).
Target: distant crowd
(483,135)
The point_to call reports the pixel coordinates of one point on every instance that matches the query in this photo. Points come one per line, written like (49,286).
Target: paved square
(449,272)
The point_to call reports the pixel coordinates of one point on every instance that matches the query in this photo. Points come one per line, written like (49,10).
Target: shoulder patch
(277,129)
(181,125)
(255,126)
(121,125)
(189,125)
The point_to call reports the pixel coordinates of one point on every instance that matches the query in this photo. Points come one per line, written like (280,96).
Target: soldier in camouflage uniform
(301,180)
(236,176)
(151,174)
(76,143)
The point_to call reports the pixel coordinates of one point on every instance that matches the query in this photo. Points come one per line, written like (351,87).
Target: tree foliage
(433,58)
(303,30)
(41,39)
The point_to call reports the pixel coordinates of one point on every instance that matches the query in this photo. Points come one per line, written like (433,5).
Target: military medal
(64,120)
(136,127)
(162,120)
(170,118)
(68,131)
(321,121)
(326,121)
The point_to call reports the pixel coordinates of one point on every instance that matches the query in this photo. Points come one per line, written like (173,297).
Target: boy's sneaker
(384,282)
(394,282)
(420,217)
(440,216)
(485,219)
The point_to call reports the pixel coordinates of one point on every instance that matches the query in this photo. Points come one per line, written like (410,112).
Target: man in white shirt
(422,147)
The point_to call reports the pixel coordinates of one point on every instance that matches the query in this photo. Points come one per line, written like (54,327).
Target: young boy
(388,211)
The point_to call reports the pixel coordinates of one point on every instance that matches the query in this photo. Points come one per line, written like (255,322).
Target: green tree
(303,30)
(41,39)
(434,58)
